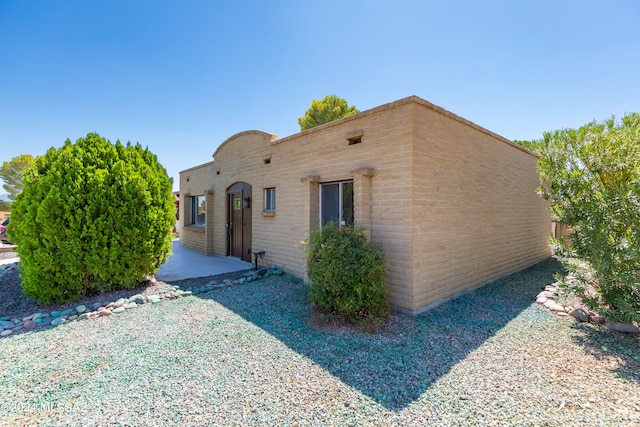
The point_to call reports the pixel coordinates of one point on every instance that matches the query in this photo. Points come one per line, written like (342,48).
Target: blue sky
(182,76)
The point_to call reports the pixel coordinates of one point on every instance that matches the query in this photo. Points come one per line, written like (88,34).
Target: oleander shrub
(346,276)
(92,217)
(591,176)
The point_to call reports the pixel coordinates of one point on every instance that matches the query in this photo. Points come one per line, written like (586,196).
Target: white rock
(579,314)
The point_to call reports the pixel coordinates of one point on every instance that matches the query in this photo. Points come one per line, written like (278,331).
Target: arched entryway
(239,221)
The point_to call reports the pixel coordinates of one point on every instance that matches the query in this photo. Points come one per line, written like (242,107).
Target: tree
(5,206)
(11,173)
(531,145)
(92,217)
(326,110)
(592,178)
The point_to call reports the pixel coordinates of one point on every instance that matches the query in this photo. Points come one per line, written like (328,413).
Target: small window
(355,140)
(198,204)
(267,160)
(269,199)
(336,203)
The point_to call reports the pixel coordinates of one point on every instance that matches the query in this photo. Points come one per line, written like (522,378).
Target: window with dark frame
(198,211)
(269,199)
(336,203)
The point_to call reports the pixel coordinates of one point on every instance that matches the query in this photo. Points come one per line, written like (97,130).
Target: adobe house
(453,204)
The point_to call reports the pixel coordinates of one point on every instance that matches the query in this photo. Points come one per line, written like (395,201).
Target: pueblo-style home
(453,204)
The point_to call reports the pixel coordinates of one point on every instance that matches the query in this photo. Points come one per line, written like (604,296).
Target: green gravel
(252,355)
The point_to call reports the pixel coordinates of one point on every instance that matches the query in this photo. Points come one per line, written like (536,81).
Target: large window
(269,199)
(336,203)
(198,204)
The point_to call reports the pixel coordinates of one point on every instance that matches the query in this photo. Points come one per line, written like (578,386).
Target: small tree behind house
(325,110)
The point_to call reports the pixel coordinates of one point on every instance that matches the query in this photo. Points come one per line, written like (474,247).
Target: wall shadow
(397,364)
(600,343)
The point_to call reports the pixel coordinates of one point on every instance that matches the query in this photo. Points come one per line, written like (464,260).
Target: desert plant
(346,275)
(93,216)
(591,175)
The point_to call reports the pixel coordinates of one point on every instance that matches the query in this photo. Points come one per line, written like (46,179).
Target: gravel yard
(252,355)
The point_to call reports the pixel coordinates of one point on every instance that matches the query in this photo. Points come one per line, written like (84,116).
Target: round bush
(93,216)
(346,275)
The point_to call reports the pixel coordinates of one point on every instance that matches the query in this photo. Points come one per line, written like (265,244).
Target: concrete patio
(186,264)
(183,264)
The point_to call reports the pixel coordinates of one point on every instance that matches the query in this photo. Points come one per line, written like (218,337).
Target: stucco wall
(453,204)
(477,214)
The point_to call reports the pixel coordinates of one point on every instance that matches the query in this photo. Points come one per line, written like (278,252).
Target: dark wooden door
(239,220)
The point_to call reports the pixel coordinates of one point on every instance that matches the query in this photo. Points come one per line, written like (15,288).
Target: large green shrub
(93,216)
(346,275)
(592,177)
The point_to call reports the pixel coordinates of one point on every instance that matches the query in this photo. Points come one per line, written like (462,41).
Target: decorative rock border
(548,296)
(10,325)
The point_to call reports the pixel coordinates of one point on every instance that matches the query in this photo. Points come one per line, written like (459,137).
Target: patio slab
(186,264)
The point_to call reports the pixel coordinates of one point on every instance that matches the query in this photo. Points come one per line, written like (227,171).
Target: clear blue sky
(182,76)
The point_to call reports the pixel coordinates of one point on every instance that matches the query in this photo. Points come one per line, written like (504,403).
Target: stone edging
(10,325)
(548,296)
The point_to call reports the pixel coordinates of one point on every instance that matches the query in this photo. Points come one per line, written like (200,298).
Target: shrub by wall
(93,216)
(591,175)
(346,275)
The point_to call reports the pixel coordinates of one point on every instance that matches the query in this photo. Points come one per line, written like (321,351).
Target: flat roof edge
(196,167)
(399,103)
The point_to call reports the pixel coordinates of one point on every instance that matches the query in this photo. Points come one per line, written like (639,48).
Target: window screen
(198,210)
(336,203)
(270,199)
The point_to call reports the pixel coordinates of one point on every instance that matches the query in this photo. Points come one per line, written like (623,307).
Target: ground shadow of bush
(602,343)
(397,364)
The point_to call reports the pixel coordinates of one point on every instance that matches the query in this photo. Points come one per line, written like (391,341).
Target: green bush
(346,275)
(592,177)
(92,217)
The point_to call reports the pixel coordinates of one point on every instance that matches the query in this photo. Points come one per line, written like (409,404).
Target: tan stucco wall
(476,212)
(453,204)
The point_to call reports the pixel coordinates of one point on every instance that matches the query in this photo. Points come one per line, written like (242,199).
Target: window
(269,199)
(336,203)
(198,210)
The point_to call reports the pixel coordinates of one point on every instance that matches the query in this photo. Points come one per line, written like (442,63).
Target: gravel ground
(252,355)
(15,304)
